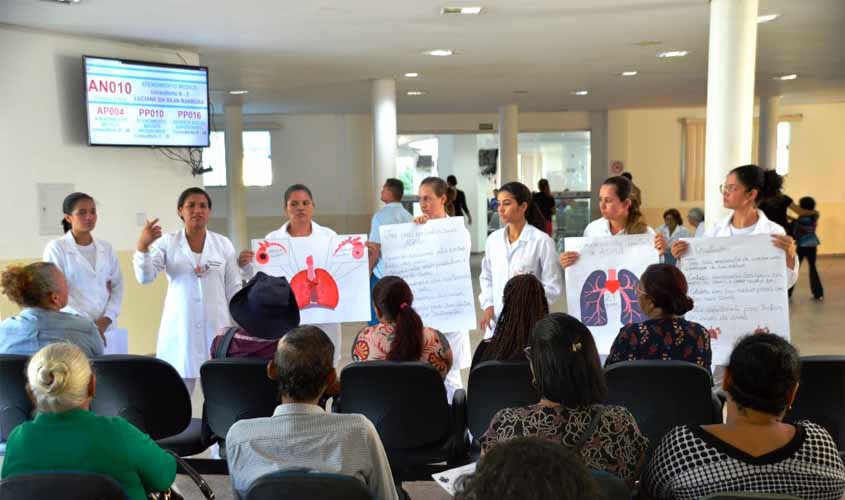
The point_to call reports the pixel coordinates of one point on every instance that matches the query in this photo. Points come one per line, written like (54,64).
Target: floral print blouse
(663,338)
(616,445)
(373,343)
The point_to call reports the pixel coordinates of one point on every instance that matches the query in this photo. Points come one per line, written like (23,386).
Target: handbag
(170,494)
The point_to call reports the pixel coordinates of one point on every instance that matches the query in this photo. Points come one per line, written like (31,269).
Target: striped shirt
(305,437)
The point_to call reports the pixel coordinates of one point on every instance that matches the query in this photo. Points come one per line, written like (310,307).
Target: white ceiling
(319,55)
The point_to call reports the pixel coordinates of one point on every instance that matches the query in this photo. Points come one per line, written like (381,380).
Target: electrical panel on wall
(50,198)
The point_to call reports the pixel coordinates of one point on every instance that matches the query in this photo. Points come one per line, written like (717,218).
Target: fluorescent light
(439,52)
(238,92)
(411,75)
(673,53)
(767,18)
(791,76)
(630,73)
(415,93)
(471,10)
(580,92)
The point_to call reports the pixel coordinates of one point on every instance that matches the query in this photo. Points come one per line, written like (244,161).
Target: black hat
(265,307)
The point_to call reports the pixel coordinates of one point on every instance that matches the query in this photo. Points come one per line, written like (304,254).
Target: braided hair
(524,305)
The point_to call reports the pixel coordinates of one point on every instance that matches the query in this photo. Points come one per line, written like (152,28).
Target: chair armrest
(718,404)
(459,440)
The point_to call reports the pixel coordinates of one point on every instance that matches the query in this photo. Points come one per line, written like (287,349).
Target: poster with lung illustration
(329,276)
(601,287)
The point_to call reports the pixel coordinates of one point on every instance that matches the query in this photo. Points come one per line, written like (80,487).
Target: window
(258,167)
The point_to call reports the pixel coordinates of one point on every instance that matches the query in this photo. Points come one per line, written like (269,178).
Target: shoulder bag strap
(223,347)
(595,414)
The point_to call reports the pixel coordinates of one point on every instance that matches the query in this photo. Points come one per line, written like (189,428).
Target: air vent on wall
(485,126)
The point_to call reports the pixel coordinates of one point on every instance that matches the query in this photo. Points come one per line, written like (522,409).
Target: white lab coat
(92,292)
(533,253)
(722,228)
(333,330)
(601,227)
(196,307)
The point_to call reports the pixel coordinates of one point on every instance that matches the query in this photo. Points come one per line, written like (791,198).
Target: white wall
(43,140)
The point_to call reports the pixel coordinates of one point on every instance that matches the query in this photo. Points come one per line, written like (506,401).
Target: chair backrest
(406,401)
(494,385)
(61,486)
(821,395)
(307,486)
(663,394)
(236,389)
(15,406)
(613,487)
(146,391)
(748,496)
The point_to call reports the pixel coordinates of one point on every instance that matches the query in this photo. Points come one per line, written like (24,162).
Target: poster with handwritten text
(433,258)
(601,287)
(738,285)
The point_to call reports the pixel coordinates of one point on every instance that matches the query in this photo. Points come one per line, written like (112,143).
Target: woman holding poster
(202,276)
(520,247)
(620,215)
(744,189)
(299,207)
(433,196)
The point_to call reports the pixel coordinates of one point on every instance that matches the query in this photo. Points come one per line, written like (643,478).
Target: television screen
(134,103)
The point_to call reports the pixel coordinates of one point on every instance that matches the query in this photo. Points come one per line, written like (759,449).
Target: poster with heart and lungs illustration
(328,275)
(601,287)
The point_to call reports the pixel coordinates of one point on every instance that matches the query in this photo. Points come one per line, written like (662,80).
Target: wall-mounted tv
(136,103)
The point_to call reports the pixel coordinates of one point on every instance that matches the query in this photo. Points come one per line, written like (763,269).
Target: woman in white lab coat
(433,197)
(521,247)
(620,215)
(202,275)
(299,207)
(95,283)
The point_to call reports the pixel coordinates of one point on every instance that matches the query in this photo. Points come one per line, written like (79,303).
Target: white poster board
(737,285)
(433,258)
(601,287)
(329,276)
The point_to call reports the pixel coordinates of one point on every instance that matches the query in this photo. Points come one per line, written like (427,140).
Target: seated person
(754,451)
(568,376)
(41,290)
(523,305)
(66,436)
(265,309)
(400,334)
(666,335)
(529,468)
(300,434)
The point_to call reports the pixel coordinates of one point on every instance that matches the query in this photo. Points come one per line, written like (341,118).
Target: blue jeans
(373,320)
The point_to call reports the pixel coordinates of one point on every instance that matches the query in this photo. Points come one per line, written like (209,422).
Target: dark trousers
(815,282)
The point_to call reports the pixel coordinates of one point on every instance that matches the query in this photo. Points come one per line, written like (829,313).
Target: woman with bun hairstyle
(95,283)
(665,335)
(744,189)
(66,436)
(400,334)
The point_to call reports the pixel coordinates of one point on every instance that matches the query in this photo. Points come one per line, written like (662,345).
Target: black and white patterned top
(691,463)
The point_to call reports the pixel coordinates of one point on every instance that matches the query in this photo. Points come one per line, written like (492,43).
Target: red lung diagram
(314,287)
(593,309)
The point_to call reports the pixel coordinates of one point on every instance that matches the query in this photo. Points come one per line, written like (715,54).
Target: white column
(508,143)
(234,126)
(384,135)
(730,95)
(599,162)
(767,142)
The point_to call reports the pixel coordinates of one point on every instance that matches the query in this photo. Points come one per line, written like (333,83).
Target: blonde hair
(58,377)
(30,285)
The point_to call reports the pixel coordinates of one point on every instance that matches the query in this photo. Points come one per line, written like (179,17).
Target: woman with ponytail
(665,335)
(400,334)
(520,247)
(66,436)
(95,283)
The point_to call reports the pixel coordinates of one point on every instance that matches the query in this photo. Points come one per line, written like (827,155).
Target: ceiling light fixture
(791,76)
(580,92)
(67,2)
(630,73)
(411,75)
(439,52)
(414,93)
(472,10)
(767,18)
(673,53)
(238,92)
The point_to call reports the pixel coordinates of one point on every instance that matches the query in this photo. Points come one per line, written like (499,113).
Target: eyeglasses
(527,352)
(729,188)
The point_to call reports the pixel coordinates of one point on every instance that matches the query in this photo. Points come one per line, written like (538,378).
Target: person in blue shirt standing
(392,213)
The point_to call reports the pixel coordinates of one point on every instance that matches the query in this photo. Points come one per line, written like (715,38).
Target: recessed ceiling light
(580,92)
(471,10)
(673,53)
(411,75)
(67,2)
(414,93)
(239,92)
(630,73)
(767,18)
(791,76)
(439,52)
(648,43)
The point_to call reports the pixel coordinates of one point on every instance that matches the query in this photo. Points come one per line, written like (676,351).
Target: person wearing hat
(265,310)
